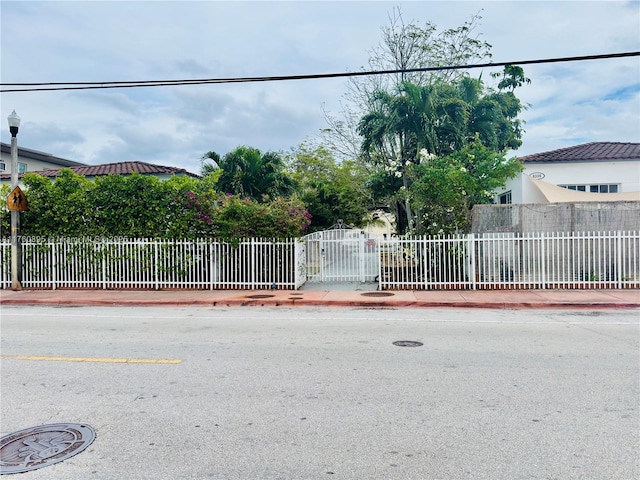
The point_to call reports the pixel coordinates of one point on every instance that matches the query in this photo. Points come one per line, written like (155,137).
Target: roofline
(578,160)
(560,151)
(41,156)
(55,172)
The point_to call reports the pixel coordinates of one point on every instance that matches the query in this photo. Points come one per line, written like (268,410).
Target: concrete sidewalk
(503,299)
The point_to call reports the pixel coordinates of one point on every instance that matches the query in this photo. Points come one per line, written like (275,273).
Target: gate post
(54,263)
(361,257)
(379,257)
(619,265)
(322,257)
(471,259)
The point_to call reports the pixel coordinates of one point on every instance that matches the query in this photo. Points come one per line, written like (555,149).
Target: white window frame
(598,187)
(508,197)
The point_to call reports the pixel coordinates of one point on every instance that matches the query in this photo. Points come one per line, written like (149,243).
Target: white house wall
(32,164)
(625,174)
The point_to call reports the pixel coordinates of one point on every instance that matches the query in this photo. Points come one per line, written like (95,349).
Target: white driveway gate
(342,255)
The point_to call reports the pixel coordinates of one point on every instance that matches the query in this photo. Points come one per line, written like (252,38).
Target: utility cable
(57,86)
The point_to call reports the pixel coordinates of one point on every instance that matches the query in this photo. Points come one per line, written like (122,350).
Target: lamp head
(14,123)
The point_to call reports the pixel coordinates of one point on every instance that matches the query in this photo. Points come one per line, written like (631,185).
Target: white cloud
(105,41)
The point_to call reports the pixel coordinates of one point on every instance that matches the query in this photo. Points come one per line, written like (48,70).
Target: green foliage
(210,163)
(438,120)
(5,214)
(138,206)
(59,208)
(250,173)
(511,77)
(231,217)
(330,191)
(415,46)
(392,118)
(445,189)
(116,202)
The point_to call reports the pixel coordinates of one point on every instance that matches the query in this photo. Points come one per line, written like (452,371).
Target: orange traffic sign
(17,200)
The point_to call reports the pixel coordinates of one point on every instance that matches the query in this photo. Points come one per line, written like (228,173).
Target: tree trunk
(407,205)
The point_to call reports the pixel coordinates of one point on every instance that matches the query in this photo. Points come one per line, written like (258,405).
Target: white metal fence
(512,261)
(489,261)
(342,255)
(141,263)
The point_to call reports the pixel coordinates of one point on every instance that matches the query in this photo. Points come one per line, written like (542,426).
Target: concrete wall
(557,217)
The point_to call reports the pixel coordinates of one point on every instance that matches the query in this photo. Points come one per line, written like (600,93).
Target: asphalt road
(322,393)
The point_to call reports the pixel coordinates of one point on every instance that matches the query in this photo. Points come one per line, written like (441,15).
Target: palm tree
(208,167)
(399,127)
(249,173)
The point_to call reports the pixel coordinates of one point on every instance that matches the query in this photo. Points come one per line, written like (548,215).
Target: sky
(94,41)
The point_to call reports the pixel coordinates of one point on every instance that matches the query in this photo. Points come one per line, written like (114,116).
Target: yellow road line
(88,359)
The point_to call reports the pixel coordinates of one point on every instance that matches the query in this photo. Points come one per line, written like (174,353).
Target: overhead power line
(57,86)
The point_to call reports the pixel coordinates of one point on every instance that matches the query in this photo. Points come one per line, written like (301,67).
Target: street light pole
(16,258)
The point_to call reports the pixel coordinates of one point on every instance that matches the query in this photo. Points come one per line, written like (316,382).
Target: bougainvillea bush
(137,206)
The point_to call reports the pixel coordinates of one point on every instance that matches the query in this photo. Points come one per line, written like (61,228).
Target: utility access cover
(407,343)
(41,446)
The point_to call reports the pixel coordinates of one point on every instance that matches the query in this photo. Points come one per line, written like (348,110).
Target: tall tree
(396,128)
(403,46)
(438,119)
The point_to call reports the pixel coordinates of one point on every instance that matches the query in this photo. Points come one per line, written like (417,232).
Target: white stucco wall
(32,164)
(626,174)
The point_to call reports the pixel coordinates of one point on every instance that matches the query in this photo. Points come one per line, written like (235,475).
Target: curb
(247,302)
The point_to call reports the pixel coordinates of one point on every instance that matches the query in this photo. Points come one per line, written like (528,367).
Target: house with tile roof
(49,166)
(118,168)
(32,160)
(591,172)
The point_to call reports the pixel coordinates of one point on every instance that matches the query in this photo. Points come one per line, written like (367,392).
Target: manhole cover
(407,343)
(260,296)
(41,446)
(377,294)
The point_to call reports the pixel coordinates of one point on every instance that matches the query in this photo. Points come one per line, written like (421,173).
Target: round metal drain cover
(377,294)
(41,446)
(407,343)
(260,296)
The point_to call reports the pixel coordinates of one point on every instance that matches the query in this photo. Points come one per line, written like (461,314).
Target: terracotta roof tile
(119,168)
(593,151)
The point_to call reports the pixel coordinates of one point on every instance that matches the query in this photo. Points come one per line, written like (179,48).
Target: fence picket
(554,260)
(145,263)
(584,260)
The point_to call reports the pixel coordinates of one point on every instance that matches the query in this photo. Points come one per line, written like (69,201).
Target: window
(604,188)
(22,167)
(579,188)
(505,198)
(3,166)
